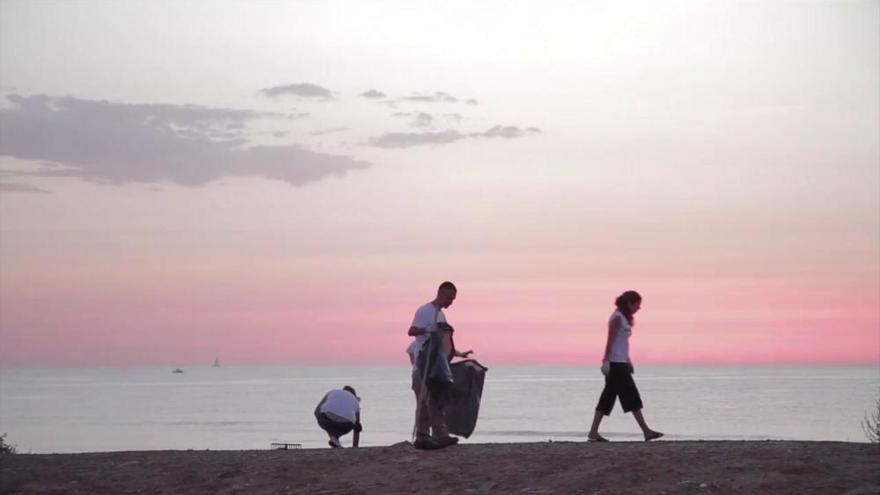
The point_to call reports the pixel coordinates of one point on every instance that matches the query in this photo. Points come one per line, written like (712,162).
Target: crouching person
(338,413)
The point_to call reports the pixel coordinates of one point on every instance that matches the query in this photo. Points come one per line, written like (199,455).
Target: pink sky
(339,309)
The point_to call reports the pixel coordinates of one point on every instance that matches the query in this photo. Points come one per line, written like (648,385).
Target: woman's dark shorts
(619,383)
(332,427)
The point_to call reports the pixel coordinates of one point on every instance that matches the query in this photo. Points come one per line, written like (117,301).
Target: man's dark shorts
(334,428)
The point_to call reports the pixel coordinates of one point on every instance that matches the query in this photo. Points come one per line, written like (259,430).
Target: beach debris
(284,445)
(692,483)
(486,487)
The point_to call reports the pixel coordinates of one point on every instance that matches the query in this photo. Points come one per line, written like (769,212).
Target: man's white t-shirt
(424,318)
(343,404)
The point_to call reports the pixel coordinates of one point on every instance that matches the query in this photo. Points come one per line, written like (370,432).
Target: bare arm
(416,331)
(613,327)
(356,439)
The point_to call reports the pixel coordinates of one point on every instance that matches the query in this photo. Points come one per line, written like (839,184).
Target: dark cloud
(472,101)
(303,90)
(410,139)
(16,187)
(373,94)
(119,143)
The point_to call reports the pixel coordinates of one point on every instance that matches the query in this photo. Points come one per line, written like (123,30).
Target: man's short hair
(350,389)
(447,286)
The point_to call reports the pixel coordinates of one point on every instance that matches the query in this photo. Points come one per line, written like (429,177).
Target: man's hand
(605,368)
(465,353)
(632,371)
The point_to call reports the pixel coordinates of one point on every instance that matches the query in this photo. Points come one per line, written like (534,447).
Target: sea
(235,407)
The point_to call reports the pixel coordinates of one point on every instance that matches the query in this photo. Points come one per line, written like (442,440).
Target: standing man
(431,431)
(338,413)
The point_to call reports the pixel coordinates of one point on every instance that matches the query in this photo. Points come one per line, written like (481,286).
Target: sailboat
(216,362)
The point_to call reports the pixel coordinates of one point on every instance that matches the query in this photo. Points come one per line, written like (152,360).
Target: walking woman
(618,369)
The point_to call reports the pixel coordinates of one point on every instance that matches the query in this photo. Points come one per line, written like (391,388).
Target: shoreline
(761,467)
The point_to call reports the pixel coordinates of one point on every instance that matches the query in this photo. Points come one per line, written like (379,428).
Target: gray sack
(462,400)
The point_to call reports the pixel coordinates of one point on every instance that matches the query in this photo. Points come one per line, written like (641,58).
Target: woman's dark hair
(622,302)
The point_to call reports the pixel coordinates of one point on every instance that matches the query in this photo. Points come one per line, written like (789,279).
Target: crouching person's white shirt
(341,405)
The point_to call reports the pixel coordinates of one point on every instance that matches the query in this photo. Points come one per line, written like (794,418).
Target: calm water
(78,410)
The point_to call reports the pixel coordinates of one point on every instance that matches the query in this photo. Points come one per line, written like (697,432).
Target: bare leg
(649,433)
(594,429)
(422,417)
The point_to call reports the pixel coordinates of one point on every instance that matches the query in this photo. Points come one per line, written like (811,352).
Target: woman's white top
(620,346)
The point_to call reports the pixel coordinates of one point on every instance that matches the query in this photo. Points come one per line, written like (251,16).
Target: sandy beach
(529,468)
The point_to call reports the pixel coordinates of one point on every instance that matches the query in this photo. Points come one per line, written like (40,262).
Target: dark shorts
(332,427)
(619,383)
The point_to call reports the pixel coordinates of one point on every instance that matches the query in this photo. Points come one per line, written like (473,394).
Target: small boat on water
(216,362)
(177,370)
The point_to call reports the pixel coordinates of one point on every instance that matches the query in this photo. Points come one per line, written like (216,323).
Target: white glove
(606,368)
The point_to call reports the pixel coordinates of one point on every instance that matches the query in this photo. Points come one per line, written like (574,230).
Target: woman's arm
(613,327)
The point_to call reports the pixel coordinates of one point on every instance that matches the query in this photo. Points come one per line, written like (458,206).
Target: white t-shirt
(424,318)
(343,404)
(620,346)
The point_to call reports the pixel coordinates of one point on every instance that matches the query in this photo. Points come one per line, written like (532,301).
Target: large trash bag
(462,400)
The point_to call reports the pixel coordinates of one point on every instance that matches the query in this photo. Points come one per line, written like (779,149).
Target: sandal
(654,435)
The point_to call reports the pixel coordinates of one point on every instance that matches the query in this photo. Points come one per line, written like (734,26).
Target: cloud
(455,118)
(437,97)
(410,139)
(507,131)
(422,120)
(303,90)
(17,187)
(329,130)
(119,143)
(373,94)
(472,101)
